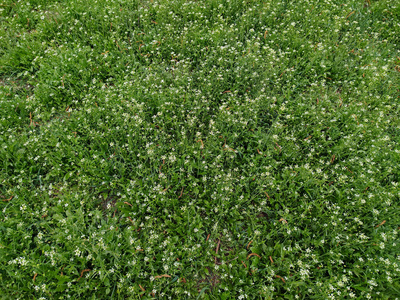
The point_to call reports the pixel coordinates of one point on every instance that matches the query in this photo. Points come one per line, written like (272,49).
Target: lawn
(214,149)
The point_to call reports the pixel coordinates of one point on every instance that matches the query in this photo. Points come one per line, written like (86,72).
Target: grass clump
(213,150)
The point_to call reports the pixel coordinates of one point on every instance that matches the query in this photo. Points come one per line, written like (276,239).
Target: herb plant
(215,149)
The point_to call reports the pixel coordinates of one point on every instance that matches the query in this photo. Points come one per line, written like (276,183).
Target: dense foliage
(215,149)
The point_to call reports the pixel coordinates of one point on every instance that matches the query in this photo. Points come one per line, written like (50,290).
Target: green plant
(217,149)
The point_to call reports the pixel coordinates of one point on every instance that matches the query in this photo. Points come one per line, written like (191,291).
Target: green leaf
(202,292)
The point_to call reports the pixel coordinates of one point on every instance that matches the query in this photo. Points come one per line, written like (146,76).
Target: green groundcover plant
(215,149)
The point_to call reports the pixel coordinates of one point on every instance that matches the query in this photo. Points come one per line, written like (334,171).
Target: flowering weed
(214,149)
